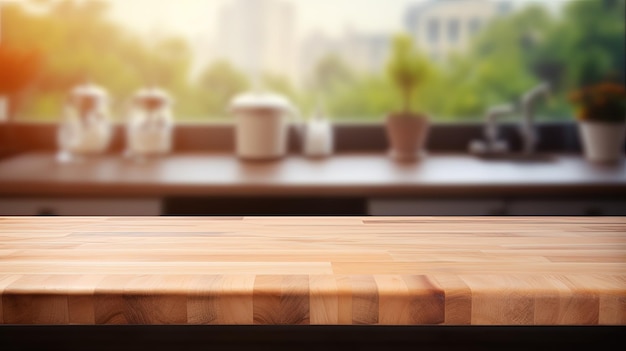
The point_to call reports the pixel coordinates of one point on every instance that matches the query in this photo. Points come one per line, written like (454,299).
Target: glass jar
(85,128)
(150,124)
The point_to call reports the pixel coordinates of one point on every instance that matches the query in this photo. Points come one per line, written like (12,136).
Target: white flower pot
(603,141)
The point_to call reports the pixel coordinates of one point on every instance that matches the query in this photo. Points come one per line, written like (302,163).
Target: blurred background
(480,53)
(337,55)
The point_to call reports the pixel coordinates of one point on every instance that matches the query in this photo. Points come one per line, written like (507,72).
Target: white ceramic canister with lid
(150,126)
(86,127)
(261,124)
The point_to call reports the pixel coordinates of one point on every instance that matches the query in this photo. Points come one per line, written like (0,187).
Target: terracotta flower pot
(407,134)
(603,141)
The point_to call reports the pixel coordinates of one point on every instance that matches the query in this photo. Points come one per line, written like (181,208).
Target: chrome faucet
(494,146)
(491,129)
(528,105)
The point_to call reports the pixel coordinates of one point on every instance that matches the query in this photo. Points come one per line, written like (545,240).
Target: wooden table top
(38,174)
(321,270)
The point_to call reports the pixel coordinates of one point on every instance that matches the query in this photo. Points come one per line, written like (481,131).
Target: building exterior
(440,27)
(366,52)
(363,52)
(258,37)
(313,48)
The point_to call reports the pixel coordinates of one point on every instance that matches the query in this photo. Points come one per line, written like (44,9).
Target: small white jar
(150,124)
(85,128)
(318,137)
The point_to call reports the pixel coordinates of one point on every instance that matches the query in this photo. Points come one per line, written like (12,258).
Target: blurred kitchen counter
(358,175)
(347,175)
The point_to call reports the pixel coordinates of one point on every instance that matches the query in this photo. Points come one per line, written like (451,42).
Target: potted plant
(601,115)
(407,129)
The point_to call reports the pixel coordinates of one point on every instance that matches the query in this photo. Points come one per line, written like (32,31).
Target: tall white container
(150,126)
(261,125)
(85,128)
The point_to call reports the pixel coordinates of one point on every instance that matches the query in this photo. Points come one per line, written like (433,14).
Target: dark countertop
(356,174)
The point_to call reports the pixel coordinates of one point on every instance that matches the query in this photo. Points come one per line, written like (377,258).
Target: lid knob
(152,98)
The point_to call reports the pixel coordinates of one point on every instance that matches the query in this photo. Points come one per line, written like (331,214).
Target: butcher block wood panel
(313,270)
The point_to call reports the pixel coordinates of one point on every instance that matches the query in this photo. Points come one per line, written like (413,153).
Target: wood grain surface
(355,174)
(319,270)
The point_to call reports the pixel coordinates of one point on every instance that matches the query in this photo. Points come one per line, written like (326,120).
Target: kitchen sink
(517,157)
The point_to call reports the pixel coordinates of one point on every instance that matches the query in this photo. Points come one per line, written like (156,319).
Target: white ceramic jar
(149,129)
(85,128)
(318,137)
(261,125)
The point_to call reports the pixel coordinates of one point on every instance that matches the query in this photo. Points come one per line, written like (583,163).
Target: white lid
(153,93)
(89,90)
(260,100)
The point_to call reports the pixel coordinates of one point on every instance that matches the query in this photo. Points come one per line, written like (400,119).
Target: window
(433,30)
(205,52)
(504,7)
(474,26)
(453,30)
